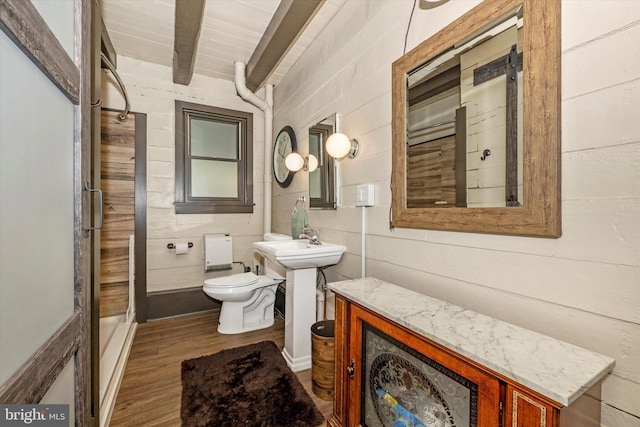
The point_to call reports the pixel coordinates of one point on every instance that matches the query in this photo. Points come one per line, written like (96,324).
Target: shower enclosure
(118,205)
(122,248)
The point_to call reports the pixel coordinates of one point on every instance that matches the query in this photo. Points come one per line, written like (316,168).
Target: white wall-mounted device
(365,195)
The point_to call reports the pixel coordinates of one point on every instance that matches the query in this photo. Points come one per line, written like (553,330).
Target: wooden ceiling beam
(287,24)
(189,14)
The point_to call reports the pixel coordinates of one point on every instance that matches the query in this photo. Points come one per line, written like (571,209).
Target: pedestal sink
(300,259)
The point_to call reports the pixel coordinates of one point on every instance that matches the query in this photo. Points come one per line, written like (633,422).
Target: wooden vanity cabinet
(524,410)
(490,400)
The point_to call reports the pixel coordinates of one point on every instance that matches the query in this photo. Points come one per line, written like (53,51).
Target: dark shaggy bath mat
(245,386)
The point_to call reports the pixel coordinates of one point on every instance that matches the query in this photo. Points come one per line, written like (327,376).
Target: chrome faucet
(311,234)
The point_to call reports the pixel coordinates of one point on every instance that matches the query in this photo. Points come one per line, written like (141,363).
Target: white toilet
(247,299)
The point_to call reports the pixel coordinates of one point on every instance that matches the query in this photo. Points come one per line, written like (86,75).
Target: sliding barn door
(44,205)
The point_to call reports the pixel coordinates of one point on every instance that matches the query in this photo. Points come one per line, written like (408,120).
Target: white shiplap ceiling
(231,30)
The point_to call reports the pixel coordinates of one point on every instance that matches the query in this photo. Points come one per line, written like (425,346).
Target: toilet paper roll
(182,248)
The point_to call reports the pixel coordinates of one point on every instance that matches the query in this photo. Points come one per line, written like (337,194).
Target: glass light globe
(312,163)
(338,145)
(294,162)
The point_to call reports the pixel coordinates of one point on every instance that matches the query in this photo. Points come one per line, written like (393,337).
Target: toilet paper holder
(172,246)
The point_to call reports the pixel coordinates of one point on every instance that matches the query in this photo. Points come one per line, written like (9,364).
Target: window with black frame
(214,167)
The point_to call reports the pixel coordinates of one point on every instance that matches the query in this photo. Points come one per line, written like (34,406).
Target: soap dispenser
(299,218)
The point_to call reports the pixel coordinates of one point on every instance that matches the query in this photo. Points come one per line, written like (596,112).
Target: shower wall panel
(118,184)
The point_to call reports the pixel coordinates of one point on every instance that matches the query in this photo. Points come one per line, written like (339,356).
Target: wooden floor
(151,390)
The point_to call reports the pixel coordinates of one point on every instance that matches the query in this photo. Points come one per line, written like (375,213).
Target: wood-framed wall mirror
(476,124)
(322,181)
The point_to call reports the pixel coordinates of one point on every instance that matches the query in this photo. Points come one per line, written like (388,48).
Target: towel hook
(486,153)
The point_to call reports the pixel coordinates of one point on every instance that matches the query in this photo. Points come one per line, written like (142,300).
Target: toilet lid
(234,280)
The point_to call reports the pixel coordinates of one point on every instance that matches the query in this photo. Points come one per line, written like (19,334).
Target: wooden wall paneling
(431,174)
(124,177)
(117,188)
(423,173)
(117,270)
(118,183)
(114,299)
(448,161)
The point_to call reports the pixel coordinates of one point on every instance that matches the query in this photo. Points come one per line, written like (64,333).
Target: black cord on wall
(321,279)
(406,35)
(404,50)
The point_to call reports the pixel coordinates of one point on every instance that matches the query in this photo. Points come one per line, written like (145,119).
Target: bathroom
(580,288)
(567,287)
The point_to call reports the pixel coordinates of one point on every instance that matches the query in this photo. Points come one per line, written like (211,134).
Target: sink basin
(296,254)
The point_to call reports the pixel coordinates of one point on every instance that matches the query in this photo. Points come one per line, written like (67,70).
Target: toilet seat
(232,281)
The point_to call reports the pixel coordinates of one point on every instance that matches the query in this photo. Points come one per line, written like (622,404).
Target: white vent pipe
(320,304)
(266,105)
(363,243)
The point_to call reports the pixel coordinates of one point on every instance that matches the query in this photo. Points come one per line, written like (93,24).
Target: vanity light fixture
(339,145)
(295,162)
(431,4)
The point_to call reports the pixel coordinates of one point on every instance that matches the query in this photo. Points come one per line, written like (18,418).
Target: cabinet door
(525,410)
(403,380)
(340,400)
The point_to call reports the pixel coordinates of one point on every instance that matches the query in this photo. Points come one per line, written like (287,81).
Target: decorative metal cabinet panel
(401,380)
(403,388)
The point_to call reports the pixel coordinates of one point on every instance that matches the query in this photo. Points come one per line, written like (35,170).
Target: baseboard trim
(177,302)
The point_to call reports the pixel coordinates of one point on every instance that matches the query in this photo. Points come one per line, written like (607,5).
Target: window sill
(209,208)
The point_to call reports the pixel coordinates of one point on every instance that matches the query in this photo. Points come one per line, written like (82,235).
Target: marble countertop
(556,369)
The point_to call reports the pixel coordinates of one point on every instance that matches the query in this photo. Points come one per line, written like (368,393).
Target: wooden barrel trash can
(322,359)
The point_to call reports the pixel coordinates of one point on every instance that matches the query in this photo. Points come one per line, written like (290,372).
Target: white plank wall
(584,287)
(152,91)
